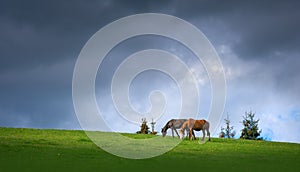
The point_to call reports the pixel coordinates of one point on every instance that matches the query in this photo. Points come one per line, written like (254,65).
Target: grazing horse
(196,125)
(174,124)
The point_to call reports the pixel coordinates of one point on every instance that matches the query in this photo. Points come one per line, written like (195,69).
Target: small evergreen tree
(227,132)
(152,126)
(250,130)
(144,127)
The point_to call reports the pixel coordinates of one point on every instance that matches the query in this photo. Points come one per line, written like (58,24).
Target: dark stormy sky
(257,41)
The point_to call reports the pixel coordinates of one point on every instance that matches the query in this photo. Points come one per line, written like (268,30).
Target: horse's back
(194,124)
(199,124)
(177,123)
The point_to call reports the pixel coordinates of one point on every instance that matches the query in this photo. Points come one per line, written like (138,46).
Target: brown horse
(196,125)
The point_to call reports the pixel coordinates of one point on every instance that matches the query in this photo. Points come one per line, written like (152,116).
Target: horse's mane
(166,127)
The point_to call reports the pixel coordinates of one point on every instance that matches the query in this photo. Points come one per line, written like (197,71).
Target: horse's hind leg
(203,131)
(208,133)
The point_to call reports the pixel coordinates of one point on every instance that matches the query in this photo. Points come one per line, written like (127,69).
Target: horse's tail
(206,127)
(206,124)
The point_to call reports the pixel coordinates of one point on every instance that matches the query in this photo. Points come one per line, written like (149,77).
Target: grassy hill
(64,150)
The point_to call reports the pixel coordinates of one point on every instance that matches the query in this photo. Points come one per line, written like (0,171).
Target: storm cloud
(257,41)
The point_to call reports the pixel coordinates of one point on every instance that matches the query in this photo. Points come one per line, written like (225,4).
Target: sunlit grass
(64,150)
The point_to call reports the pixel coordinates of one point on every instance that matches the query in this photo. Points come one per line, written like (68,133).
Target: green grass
(64,150)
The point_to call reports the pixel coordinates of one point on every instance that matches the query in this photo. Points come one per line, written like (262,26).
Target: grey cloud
(256,29)
(265,31)
(40,97)
(44,32)
(40,41)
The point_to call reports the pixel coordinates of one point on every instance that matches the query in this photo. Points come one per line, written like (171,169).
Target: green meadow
(70,150)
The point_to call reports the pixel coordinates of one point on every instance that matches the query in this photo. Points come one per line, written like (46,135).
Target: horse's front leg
(177,133)
(194,134)
(172,132)
(191,134)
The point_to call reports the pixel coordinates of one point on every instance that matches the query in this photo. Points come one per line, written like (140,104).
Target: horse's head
(164,132)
